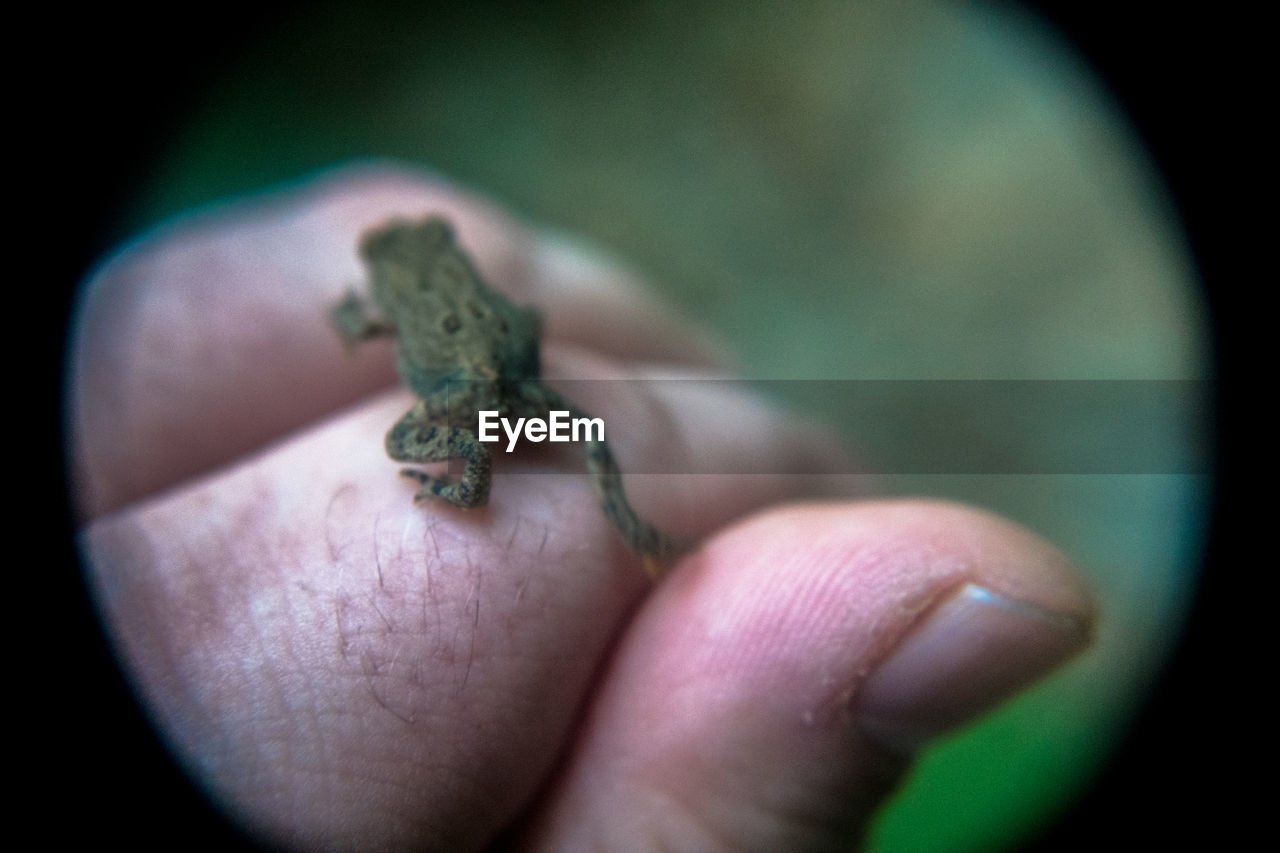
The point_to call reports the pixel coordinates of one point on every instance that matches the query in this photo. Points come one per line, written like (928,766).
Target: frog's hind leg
(654,547)
(415,438)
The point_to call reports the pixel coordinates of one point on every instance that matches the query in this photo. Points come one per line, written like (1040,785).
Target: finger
(343,669)
(769,694)
(594,302)
(697,451)
(209,338)
(325,653)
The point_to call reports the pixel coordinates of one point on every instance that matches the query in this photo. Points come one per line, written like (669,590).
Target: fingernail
(972,651)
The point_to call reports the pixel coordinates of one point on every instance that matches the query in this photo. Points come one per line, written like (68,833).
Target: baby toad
(463,347)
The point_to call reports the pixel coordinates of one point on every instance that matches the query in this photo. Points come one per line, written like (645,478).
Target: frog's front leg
(421,437)
(356,321)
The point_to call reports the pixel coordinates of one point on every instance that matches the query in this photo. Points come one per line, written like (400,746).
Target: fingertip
(941,611)
(775,685)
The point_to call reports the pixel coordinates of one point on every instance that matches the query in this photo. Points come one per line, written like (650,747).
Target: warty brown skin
(463,347)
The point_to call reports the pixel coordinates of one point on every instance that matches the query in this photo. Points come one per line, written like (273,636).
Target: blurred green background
(842,191)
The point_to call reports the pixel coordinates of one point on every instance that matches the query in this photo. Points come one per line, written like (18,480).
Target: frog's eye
(502,324)
(450,323)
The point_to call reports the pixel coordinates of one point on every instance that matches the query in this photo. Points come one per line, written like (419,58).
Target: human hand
(343,668)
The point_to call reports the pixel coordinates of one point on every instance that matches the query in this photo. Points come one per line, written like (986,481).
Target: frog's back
(449,322)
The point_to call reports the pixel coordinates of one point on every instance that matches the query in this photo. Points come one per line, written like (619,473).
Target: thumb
(770,693)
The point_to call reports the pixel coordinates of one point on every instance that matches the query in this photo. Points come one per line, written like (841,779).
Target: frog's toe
(461,495)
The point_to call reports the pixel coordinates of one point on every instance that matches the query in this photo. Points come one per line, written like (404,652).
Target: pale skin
(349,669)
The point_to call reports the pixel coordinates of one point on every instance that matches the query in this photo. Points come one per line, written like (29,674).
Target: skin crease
(344,669)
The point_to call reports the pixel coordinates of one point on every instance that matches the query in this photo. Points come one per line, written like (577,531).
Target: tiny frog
(463,347)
